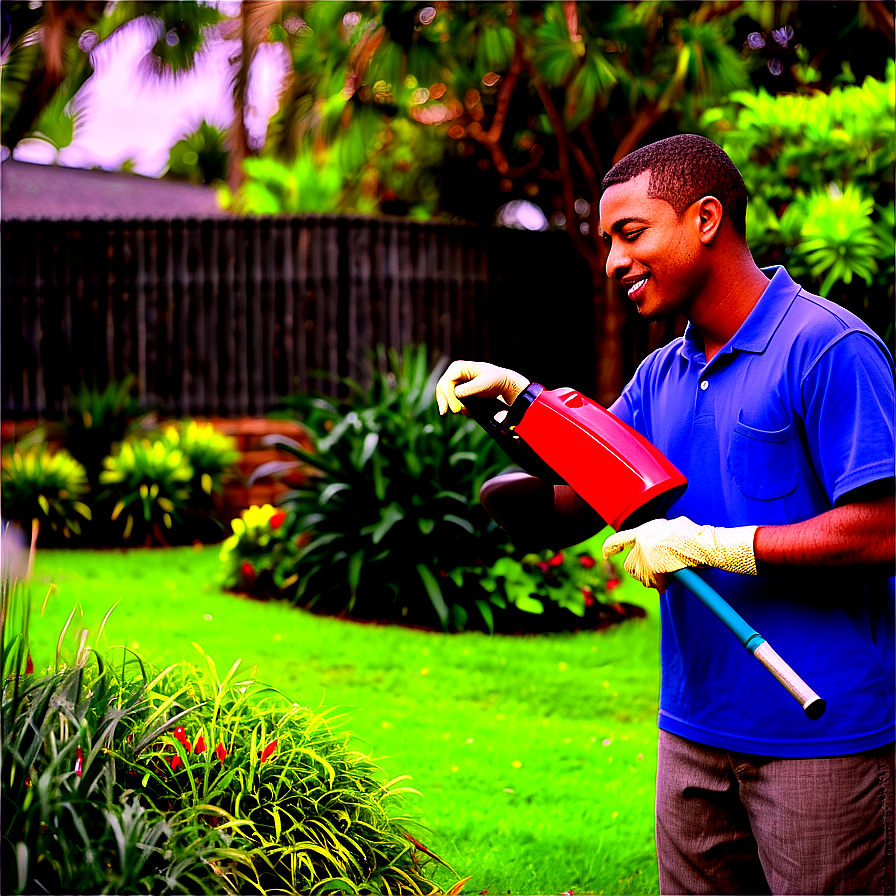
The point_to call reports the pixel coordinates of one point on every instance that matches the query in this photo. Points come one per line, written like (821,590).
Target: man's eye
(631,235)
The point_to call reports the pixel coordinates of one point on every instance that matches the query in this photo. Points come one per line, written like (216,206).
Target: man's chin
(652,316)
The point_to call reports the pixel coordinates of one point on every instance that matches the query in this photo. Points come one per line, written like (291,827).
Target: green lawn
(535,757)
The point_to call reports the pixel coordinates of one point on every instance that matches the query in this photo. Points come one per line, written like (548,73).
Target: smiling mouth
(636,289)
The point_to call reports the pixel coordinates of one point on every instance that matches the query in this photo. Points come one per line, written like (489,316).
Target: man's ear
(709,212)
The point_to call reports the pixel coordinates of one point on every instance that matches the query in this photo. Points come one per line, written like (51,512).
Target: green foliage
(210,454)
(200,157)
(572,579)
(130,481)
(105,792)
(305,185)
(395,506)
(149,483)
(47,486)
(69,823)
(311,813)
(97,419)
(820,172)
(257,557)
(391,527)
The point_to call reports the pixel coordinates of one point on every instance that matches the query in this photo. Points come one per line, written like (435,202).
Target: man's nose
(618,260)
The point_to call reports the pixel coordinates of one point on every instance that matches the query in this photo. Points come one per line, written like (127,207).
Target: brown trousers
(736,823)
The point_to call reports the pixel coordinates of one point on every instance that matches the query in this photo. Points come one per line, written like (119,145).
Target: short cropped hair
(683,169)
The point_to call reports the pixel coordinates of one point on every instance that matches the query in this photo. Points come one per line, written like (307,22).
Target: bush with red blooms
(574,584)
(258,558)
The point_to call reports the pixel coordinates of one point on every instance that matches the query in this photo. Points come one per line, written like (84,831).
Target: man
(778,406)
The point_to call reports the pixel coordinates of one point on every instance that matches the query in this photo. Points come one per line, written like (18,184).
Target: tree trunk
(609,316)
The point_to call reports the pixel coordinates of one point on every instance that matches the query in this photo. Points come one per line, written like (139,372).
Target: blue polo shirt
(795,412)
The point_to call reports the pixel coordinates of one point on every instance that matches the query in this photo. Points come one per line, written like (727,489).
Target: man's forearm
(860,534)
(537,515)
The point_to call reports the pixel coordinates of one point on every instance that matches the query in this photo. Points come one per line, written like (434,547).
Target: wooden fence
(224,317)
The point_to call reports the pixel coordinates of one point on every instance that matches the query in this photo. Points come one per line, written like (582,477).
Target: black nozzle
(497,419)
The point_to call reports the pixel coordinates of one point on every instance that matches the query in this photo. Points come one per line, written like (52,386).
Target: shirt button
(704,385)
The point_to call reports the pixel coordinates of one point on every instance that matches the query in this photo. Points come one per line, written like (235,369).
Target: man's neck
(728,304)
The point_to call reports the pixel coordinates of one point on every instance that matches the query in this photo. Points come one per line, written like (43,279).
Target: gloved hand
(465,378)
(664,546)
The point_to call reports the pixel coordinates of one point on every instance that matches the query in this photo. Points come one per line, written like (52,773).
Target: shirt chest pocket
(764,464)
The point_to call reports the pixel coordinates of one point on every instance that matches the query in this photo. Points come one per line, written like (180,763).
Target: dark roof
(54,192)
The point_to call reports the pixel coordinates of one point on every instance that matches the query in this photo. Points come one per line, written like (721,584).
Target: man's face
(654,254)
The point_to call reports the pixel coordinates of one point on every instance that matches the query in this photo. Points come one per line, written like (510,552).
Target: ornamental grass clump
(120,779)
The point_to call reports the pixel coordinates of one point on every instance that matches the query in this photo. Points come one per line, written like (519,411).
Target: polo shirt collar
(756,331)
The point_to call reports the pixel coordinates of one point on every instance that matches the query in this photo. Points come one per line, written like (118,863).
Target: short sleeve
(849,408)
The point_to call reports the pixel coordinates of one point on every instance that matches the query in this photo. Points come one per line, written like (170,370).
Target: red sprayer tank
(610,465)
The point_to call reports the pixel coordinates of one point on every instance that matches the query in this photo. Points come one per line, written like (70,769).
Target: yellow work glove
(664,546)
(465,378)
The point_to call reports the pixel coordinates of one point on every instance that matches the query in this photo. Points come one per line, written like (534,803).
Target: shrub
(395,505)
(819,169)
(160,485)
(47,486)
(150,485)
(392,528)
(105,791)
(97,420)
(256,557)
(563,589)
(211,455)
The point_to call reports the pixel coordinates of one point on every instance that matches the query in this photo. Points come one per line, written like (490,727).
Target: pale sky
(126,115)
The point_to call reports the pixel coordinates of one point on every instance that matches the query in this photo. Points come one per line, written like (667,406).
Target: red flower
(29,664)
(268,750)
(612,584)
(200,745)
(79,762)
(181,735)
(277,519)
(247,569)
(544,567)
(588,594)
(587,561)
(221,753)
(175,762)
(556,560)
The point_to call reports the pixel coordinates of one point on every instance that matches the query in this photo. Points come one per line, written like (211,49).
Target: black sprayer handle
(484,411)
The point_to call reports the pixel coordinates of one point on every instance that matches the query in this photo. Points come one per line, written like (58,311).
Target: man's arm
(854,537)
(537,515)
(861,534)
